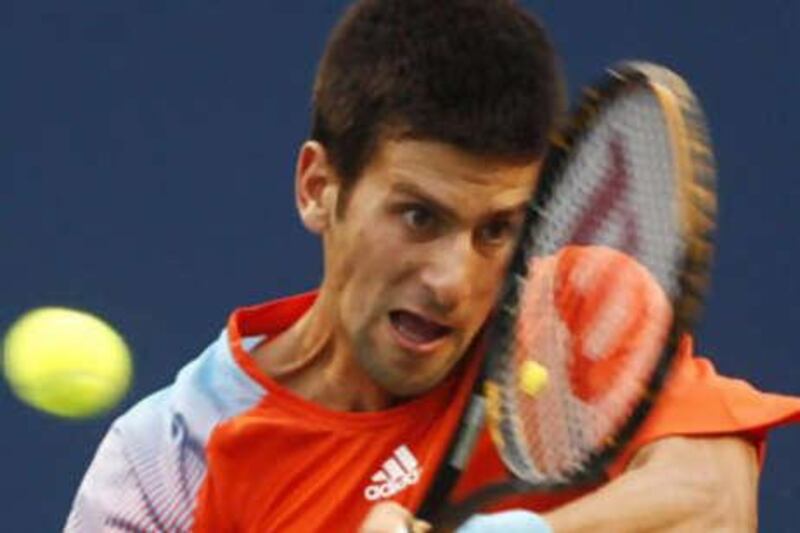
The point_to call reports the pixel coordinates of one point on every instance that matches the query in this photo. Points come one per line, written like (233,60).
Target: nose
(450,273)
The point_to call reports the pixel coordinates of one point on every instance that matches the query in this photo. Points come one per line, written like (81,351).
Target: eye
(497,232)
(419,218)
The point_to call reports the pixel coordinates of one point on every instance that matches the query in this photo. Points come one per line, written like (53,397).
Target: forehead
(450,175)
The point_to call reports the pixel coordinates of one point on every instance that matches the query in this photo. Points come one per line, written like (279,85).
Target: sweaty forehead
(452,176)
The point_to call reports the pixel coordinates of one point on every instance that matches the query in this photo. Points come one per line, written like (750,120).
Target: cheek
(371,270)
(380,251)
(376,255)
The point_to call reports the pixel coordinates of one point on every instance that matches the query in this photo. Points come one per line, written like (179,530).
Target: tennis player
(329,411)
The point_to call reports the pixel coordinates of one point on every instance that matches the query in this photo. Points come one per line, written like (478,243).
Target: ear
(316,187)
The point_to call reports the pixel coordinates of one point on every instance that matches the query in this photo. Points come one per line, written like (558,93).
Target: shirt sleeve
(148,469)
(110,497)
(696,401)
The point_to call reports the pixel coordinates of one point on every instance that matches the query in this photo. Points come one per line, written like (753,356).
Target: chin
(407,393)
(418,384)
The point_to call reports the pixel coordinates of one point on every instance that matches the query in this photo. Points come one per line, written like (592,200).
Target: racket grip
(516,521)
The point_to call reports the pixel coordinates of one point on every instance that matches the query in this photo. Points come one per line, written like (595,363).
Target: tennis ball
(532,377)
(66,362)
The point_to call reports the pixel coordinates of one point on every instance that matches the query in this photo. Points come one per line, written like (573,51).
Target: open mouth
(417,332)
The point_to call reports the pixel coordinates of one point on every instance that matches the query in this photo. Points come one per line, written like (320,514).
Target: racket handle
(516,521)
(460,451)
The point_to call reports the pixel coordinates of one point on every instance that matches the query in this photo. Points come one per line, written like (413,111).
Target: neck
(314,360)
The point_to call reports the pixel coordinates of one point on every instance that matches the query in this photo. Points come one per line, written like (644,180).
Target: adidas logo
(401,470)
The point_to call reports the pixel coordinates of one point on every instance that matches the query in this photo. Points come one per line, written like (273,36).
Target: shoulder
(153,458)
(206,391)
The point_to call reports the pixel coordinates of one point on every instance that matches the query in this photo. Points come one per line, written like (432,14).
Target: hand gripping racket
(608,275)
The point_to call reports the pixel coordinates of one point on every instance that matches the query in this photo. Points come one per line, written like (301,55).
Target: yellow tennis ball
(65,362)
(532,377)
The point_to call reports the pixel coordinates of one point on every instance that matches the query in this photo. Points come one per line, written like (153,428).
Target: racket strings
(595,308)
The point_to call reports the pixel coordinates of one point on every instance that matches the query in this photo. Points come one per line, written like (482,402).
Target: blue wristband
(516,521)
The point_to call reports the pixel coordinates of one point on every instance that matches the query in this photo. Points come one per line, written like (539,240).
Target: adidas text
(401,470)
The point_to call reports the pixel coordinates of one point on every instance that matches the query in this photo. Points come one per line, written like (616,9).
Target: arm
(133,485)
(674,484)
(110,496)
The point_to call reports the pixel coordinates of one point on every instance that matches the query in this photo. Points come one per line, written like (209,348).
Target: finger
(419,526)
(388,517)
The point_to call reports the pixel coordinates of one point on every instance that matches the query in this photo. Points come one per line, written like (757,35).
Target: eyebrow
(413,190)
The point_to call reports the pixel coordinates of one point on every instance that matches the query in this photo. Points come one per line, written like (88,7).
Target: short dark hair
(478,74)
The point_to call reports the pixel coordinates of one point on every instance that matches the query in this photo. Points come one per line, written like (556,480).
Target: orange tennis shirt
(286,464)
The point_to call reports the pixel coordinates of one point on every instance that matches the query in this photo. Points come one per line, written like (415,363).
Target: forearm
(633,502)
(673,485)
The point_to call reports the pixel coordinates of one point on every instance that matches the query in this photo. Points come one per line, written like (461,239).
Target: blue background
(147,156)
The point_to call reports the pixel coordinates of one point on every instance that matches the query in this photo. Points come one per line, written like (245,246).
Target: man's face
(415,261)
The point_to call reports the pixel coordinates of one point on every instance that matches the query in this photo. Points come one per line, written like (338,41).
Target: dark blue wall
(148,148)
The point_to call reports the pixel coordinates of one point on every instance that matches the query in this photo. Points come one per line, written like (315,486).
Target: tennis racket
(608,275)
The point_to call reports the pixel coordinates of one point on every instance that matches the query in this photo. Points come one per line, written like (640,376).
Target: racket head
(607,278)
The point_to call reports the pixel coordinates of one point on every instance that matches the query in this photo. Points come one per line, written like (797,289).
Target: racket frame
(697,213)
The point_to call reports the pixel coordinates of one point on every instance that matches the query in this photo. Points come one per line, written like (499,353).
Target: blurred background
(147,153)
